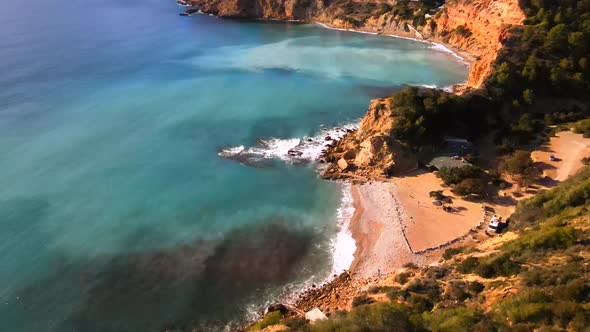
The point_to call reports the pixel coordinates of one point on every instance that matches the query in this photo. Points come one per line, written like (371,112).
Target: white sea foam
(288,150)
(429,86)
(449,88)
(434,46)
(443,48)
(183,3)
(344,245)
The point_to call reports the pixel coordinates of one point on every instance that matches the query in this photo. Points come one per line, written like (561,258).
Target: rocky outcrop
(275,9)
(370,151)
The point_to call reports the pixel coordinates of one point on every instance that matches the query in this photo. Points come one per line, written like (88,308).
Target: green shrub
(368,318)
(498,265)
(457,290)
(475,287)
(528,306)
(489,267)
(436,272)
(427,287)
(271,318)
(548,237)
(519,163)
(410,266)
(395,294)
(420,303)
(582,127)
(452,319)
(455,175)
(380,289)
(468,265)
(470,187)
(296,323)
(575,290)
(362,300)
(403,277)
(451,252)
(559,201)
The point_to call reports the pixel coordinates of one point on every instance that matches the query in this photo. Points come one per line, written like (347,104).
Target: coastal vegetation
(583,127)
(356,13)
(467,180)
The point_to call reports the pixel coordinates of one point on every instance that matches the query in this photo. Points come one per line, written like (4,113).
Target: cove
(117,211)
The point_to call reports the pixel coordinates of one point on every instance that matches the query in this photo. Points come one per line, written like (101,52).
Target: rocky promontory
(370,151)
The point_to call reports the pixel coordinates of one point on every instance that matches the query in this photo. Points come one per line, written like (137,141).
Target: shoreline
(464,56)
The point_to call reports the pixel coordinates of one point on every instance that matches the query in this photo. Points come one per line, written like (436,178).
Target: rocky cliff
(478,27)
(370,151)
(266,9)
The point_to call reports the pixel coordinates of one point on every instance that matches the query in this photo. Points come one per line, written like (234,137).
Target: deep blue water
(116,211)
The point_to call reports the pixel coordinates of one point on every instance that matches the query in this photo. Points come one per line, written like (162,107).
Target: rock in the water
(294,153)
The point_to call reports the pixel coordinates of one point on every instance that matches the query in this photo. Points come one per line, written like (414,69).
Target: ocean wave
(442,48)
(429,86)
(344,245)
(291,150)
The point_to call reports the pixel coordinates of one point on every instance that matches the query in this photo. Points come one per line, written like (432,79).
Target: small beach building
(445,161)
(451,154)
(315,315)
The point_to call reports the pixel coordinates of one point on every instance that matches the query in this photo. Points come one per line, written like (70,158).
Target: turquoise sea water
(117,212)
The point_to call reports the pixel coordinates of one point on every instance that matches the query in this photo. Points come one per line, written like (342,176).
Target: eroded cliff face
(478,27)
(370,152)
(266,9)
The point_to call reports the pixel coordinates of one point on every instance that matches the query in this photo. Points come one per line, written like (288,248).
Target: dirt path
(569,148)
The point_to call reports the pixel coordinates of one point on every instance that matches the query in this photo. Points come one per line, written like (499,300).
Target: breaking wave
(291,150)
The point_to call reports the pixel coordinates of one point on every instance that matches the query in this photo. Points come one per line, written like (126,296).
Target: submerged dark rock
(294,153)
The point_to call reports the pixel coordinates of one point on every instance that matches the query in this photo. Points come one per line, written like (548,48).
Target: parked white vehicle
(494,223)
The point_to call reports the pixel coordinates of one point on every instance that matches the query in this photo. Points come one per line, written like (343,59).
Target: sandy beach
(396,223)
(377,228)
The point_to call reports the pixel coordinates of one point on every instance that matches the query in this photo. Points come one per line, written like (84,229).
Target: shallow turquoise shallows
(127,202)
